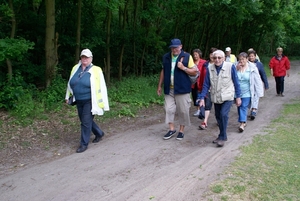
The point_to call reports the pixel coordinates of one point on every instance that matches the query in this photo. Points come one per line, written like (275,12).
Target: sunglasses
(217,57)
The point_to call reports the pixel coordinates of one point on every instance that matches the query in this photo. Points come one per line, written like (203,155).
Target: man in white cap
(230,57)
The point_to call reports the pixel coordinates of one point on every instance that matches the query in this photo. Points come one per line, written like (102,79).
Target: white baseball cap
(86,52)
(227,49)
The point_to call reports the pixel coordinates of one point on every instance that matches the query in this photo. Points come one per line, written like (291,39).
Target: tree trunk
(108,32)
(12,35)
(78,31)
(122,21)
(50,42)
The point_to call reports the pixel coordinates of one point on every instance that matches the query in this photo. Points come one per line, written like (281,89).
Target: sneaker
(180,136)
(203,126)
(252,115)
(196,114)
(169,134)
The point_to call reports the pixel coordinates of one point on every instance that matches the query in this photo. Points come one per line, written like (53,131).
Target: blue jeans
(222,115)
(87,125)
(243,109)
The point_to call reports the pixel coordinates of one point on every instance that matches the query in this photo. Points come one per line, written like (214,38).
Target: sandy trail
(139,165)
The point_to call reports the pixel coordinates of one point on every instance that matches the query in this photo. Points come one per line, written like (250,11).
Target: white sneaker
(196,114)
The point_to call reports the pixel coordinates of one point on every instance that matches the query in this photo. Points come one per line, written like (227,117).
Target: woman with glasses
(87,85)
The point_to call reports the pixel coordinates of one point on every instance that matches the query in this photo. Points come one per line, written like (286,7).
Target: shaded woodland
(42,39)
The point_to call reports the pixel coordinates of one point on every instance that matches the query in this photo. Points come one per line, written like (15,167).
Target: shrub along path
(132,162)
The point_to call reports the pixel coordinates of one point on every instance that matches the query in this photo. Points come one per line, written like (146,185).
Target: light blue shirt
(244,79)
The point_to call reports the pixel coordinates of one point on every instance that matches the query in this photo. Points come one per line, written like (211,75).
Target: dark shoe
(217,140)
(169,134)
(98,138)
(252,115)
(220,143)
(81,149)
(180,136)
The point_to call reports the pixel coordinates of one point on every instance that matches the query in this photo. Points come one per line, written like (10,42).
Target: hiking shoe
(252,115)
(180,136)
(169,134)
(203,126)
(220,143)
(217,140)
(196,114)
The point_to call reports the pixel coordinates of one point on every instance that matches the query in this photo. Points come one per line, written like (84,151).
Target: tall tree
(78,30)
(12,35)
(51,42)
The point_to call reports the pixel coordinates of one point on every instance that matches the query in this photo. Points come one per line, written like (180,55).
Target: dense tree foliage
(42,38)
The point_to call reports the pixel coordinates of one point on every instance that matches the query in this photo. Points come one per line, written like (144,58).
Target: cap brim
(174,46)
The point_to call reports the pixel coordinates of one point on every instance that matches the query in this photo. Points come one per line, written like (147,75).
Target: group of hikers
(223,80)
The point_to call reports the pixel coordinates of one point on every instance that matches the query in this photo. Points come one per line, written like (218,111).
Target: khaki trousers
(180,104)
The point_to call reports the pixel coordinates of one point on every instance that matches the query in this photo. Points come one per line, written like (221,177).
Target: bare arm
(161,79)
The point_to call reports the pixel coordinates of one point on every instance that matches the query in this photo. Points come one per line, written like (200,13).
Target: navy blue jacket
(262,73)
(182,83)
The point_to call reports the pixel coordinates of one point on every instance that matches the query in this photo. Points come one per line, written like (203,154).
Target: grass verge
(269,168)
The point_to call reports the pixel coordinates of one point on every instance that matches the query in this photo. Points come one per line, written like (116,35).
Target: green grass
(269,168)
(133,93)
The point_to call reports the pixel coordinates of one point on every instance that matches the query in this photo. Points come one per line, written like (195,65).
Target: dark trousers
(279,84)
(195,94)
(222,116)
(87,125)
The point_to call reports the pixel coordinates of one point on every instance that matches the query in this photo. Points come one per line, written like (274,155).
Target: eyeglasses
(217,58)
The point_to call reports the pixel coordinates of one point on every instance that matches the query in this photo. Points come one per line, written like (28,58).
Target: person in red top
(207,100)
(280,67)
(197,54)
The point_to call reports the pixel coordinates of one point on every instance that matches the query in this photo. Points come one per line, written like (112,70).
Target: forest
(41,40)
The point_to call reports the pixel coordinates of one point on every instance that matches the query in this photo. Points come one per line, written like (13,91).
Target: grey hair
(243,54)
(219,52)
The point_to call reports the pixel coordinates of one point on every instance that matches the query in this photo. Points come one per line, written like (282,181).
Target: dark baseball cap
(175,43)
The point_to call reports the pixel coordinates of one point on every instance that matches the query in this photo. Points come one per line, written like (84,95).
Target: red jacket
(200,79)
(279,66)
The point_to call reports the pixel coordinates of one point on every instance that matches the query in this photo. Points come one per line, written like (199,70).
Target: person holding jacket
(88,87)
(280,67)
(197,57)
(253,59)
(221,78)
(207,100)
(251,86)
(177,66)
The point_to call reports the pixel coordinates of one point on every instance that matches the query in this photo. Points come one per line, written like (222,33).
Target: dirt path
(139,165)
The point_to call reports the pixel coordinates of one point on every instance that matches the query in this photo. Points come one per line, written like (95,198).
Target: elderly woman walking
(250,84)
(280,67)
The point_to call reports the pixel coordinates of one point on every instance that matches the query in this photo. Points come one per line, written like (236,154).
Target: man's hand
(159,90)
